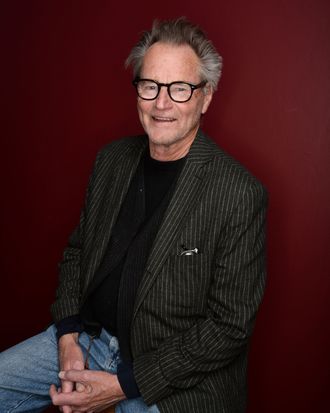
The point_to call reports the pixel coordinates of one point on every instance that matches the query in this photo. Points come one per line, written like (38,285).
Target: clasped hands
(82,390)
(92,391)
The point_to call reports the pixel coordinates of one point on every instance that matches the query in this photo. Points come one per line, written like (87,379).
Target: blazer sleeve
(233,299)
(68,293)
(76,257)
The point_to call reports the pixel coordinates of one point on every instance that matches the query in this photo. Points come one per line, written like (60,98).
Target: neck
(163,154)
(171,152)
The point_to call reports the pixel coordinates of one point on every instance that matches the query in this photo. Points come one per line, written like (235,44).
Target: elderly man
(161,281)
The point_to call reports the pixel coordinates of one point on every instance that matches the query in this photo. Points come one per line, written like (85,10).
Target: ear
(208,94)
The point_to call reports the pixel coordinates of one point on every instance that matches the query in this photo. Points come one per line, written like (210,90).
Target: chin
(163,139)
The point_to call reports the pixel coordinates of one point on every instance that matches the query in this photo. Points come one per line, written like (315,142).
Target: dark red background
(65,93)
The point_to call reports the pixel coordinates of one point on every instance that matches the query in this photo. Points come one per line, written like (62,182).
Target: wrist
(69,338)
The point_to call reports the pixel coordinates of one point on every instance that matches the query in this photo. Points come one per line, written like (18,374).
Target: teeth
(163,119)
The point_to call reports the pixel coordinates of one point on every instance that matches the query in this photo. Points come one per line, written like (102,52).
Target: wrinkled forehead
(166,62)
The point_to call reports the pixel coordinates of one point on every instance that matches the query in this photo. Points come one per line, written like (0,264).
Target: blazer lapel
(114,195)
(188,190)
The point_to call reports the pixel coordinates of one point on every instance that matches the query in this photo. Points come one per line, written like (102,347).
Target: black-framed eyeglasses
(180,92)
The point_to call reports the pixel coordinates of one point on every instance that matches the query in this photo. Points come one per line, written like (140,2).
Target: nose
(163,100)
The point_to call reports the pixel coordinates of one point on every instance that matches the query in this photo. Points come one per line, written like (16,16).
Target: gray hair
(179,32)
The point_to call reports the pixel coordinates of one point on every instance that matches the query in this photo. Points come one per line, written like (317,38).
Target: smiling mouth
(163,119)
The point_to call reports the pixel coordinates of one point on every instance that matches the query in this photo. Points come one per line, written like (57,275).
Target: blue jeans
(28,369)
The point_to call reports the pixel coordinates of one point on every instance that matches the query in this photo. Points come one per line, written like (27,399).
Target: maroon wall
(65,93)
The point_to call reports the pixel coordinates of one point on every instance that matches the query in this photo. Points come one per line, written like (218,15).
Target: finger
(74,376)
(67,386)
(52,391)
(60,407)
(80,387)
(69,399)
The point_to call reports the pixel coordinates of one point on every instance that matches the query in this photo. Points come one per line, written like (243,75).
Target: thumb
(73,375)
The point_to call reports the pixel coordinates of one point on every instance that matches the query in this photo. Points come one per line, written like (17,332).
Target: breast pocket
(184,283)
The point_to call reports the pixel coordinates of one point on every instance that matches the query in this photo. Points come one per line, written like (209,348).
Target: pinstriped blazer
(193,314)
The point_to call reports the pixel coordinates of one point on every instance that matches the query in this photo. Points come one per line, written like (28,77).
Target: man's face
(168,123)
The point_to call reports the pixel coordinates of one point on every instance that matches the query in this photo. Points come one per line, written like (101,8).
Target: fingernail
(61,374)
